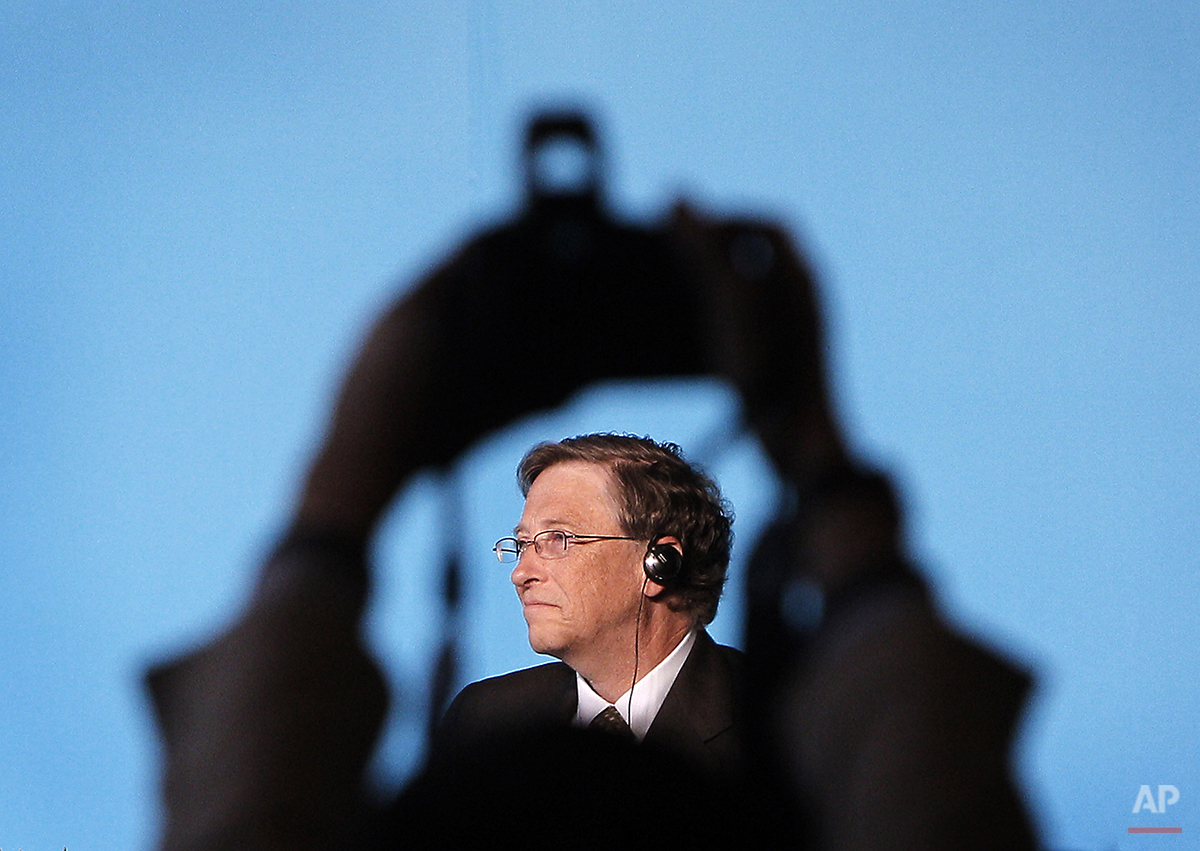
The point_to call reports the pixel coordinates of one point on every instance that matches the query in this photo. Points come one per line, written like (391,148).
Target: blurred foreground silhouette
(874,724)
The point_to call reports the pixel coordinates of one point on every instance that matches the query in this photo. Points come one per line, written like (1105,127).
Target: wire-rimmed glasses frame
(552,543)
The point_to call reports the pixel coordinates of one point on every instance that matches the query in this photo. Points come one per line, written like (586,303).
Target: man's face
(583,606)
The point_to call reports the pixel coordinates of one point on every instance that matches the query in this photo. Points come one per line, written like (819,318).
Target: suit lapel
(700,705)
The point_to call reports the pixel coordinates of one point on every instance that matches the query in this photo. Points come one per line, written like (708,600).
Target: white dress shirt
(639,706)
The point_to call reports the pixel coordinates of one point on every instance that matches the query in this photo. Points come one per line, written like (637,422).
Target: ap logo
(1167,795)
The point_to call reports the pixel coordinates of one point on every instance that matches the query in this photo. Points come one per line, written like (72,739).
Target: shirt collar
(639,706)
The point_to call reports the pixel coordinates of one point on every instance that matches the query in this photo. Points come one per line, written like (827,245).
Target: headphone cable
(637,631)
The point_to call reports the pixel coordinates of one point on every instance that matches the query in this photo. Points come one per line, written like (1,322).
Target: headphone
(662,563)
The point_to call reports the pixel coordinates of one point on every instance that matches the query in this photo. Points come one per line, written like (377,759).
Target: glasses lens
(507,550)
(551,544)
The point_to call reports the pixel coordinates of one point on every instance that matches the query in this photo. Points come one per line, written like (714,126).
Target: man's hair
(659,494)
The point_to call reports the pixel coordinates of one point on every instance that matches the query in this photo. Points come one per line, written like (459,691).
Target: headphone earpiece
(663,563)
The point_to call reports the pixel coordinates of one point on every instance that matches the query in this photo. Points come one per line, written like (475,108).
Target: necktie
(611,723)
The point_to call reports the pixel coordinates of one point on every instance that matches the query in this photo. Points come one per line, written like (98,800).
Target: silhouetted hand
(266,728)
(764,334)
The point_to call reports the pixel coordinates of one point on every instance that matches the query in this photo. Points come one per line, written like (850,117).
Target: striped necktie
(611,723)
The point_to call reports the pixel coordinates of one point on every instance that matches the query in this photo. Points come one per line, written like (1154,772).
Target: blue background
(204,204)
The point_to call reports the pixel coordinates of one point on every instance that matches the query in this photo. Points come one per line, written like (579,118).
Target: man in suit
(619,560)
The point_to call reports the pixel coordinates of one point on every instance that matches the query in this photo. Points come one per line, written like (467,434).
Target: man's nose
(528,568)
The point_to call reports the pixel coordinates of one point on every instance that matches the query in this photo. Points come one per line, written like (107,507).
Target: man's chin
(548,645)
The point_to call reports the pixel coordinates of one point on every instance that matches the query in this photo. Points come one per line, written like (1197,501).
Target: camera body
(562,296)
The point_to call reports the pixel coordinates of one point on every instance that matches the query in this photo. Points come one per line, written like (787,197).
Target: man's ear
(653,588)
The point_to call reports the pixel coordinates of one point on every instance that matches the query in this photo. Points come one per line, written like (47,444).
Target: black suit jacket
(699,720)
(508,767)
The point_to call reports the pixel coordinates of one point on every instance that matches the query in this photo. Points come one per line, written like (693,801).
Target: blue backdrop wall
(204,205)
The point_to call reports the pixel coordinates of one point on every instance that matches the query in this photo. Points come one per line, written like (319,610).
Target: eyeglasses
(549,544)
